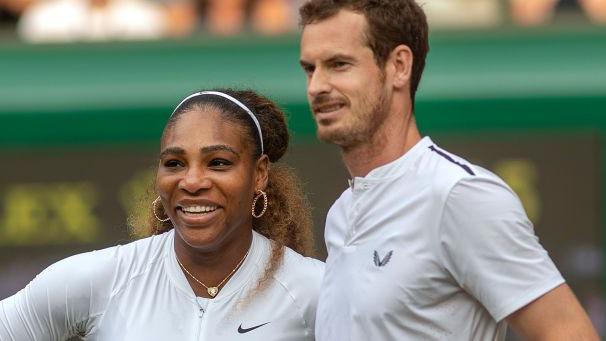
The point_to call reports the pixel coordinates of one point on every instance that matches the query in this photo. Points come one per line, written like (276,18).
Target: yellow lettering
(54,213)
(522,175)
(73,205)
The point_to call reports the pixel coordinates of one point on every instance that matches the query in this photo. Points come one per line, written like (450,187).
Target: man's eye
(340,65)
(308,70)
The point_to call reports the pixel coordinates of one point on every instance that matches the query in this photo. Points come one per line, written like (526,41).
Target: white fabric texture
(428,247)
(139,292)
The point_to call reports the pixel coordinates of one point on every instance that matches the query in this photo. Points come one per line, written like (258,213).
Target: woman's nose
(195,180)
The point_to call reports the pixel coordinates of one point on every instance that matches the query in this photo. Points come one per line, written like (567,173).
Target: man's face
(346,88)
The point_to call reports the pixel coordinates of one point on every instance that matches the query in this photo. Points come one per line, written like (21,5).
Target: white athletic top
(139,292)
(428,247)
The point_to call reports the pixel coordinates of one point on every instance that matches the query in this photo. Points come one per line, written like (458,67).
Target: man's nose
(318,83)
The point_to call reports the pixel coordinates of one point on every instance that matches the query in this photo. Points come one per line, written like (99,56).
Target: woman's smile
(197,215)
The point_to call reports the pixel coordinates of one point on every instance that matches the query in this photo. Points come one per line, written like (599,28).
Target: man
(423,245)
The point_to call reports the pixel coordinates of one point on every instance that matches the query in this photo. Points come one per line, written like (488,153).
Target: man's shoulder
(449,170)
(446,170)
(341,202)
(443,163)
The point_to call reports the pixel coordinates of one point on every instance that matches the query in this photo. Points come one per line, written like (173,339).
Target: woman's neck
(211,265)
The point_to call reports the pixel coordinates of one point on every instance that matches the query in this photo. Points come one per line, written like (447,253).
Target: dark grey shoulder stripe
(447,157)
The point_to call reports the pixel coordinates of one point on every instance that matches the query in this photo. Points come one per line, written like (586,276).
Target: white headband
(232,99)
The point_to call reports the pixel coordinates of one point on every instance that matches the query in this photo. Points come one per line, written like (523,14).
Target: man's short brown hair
(390,23)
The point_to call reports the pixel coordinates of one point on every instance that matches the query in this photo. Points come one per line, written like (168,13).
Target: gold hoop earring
(154,210)
(254,204)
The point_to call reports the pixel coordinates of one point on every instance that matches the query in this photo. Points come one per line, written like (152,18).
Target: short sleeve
(488,245)
(61,302)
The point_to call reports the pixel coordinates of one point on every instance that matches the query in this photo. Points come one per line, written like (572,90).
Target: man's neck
(393,139)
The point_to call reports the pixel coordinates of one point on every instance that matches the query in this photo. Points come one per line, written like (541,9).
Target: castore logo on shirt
(382,262)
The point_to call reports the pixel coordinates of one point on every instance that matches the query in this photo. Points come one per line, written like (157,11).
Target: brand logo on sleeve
(242,330)
(382,262)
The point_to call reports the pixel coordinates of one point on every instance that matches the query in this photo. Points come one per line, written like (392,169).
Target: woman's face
(207,178)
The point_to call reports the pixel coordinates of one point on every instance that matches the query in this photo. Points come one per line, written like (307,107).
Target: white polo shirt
(138,292)
(428,247)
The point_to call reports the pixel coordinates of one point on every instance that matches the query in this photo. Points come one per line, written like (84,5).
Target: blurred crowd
(78,20)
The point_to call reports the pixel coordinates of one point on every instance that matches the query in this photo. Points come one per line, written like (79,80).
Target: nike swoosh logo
(246,330)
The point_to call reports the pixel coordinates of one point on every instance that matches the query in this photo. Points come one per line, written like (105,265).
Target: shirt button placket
(358,189)
(202,307)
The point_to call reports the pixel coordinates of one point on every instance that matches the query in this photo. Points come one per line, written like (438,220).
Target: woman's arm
(60,302)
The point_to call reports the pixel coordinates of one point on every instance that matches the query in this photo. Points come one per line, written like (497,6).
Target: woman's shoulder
(301,279)
(111,262)
(300,275)
(300,265)
(294,264)
(296,269)
(147,250)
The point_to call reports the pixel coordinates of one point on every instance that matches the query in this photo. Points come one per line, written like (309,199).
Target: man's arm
(490,248)
(557,315)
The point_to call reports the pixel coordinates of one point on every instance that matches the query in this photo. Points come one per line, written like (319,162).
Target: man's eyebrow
(305,64)
(339,57)
(172,151)
(331,59)
(219,147)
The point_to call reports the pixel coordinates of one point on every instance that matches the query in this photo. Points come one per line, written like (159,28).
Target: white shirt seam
(294,300)
(440,232)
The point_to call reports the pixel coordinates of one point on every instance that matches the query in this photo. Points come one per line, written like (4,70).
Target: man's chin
(333,136)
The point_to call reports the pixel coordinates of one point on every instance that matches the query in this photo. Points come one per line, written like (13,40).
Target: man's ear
(262,173)
(400,60)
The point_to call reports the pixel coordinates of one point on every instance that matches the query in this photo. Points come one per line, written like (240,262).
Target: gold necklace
(213,291)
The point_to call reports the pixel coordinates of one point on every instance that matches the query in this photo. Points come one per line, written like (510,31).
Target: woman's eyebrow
(219,147)
(172,151)
(204,150)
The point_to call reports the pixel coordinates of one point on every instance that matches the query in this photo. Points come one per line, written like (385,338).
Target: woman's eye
(172,163)
(220,163)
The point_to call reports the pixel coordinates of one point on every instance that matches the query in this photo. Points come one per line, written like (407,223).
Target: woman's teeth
(198,209)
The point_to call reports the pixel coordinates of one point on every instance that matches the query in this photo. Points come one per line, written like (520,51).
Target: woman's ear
(262,173)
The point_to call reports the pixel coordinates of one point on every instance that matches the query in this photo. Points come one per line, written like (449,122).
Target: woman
(220,265)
